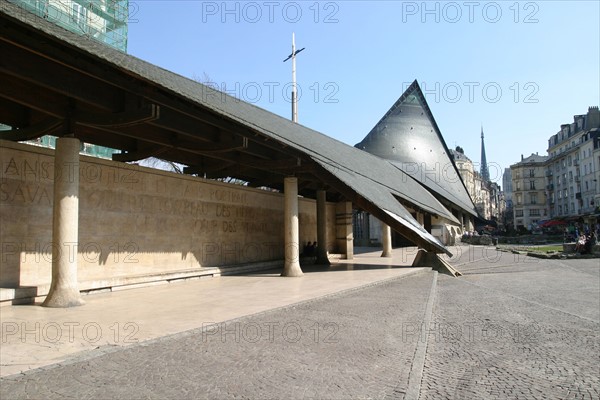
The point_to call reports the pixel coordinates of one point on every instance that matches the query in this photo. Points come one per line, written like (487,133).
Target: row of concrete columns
(64,291)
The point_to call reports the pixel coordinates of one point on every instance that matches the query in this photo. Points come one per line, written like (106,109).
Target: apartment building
(529,191)
(572,172)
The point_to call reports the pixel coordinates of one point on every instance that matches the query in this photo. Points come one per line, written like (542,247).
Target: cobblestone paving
(515,328)
(507,329)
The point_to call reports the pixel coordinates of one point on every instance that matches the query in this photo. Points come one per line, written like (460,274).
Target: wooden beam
(31,96)
(32,132)
(22,64)
(138,116)
(14,114)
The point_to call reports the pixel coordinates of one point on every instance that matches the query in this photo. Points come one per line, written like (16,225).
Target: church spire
(485,173)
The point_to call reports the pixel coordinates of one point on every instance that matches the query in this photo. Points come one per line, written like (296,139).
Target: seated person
(587,247)
(580,245)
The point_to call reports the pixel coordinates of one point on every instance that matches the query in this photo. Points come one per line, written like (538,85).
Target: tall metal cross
(294,91)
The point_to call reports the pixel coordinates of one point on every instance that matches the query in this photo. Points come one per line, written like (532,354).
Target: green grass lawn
(541,249)
(545,249)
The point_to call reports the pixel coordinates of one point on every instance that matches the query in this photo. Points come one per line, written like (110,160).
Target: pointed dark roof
(485,173)
(409,137)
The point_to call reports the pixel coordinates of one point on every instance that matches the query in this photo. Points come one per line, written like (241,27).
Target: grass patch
(539,249)
(545,249)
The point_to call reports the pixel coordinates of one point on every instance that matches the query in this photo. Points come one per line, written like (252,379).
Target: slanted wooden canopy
(56,82)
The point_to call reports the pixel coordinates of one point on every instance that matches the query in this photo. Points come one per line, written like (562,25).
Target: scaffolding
(102,20)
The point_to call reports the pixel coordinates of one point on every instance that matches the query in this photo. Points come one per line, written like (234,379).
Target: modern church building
(408,136)
(73,223)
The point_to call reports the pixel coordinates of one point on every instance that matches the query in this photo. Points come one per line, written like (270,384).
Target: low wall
(137,221)
(569,248)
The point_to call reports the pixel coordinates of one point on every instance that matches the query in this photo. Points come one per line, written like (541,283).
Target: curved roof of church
(409,137)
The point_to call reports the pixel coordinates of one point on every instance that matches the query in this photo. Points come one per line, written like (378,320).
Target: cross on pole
(294,92)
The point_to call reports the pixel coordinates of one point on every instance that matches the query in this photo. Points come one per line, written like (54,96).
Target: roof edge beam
(33,131)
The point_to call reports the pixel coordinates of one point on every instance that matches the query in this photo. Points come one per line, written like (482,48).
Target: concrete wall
(135,221)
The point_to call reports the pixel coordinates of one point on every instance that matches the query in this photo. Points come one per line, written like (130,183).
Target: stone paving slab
(346,346)
(507,329)
(34,336)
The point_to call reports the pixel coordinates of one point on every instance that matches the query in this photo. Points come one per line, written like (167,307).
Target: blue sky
(520,69)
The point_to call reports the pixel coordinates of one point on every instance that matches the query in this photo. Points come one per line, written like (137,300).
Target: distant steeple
(485,173)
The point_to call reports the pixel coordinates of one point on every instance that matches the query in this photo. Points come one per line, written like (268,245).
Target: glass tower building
(101,20)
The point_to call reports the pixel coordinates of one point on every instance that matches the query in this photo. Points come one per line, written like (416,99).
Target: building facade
(102,20)
(529,191)
(573,168)
(487,196)
(507,216)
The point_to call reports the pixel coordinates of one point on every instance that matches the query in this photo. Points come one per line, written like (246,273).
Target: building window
(79,14)
(518,213)
(518,196)
(533,198)
(532,185)
(531,173)
(534,212)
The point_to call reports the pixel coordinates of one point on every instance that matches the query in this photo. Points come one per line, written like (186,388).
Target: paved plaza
(512,327)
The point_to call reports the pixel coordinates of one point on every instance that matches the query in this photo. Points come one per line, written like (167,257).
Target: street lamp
(294,96)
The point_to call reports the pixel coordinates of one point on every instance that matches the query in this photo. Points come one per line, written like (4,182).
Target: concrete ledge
(31,294)
(569,248)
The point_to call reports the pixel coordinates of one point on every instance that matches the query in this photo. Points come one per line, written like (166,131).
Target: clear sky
(520,69)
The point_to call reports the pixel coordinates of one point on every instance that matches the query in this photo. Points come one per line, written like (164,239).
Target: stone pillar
(64,291)
(344,235)
(421,218)
(322,258)
(292,234)
(386,239)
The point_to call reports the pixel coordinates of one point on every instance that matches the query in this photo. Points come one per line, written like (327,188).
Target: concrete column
(421,218)
(292,233)
(386,239)
(344,234)
(64,291)
(322,258)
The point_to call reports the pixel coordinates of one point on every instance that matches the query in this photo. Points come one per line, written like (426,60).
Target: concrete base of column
(386,238)
(344,235)
(64,290)
(322,258)
(291,268)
